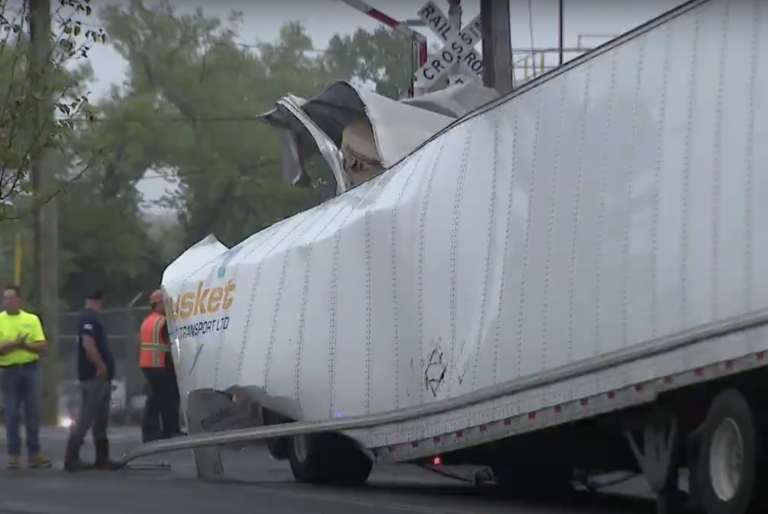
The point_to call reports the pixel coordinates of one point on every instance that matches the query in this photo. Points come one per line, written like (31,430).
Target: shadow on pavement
(574,501)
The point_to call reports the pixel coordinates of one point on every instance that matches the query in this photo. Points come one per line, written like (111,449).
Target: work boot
(103,461)
(39,461)
(72,462)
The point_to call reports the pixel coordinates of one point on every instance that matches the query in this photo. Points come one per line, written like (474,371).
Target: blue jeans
(19,385)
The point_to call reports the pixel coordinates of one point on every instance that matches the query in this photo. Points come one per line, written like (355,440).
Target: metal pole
(560,30)
(497,45)
(454,17)
(46,208)
(421,46)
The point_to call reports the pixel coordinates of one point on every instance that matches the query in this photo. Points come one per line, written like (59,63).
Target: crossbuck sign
(459,47)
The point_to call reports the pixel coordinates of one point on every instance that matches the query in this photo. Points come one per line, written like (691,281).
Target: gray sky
(324,18)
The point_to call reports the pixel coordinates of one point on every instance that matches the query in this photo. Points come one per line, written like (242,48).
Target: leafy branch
(28,86)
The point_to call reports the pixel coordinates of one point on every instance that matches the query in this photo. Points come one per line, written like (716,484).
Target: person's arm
(93,355)
(35,341)
(88,340)
(8,346)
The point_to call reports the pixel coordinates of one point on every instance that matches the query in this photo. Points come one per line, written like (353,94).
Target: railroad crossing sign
(459,47)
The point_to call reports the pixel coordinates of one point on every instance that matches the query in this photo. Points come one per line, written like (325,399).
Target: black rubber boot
(72,462)
(103,461)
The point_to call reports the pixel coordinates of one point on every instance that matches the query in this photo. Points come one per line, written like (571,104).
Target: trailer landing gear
(659,460)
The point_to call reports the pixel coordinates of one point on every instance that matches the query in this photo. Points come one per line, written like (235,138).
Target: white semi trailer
(573,277)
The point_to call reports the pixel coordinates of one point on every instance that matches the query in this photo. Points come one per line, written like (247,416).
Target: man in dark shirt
(95,371)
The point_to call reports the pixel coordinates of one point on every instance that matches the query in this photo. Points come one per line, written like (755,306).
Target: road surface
(255,483)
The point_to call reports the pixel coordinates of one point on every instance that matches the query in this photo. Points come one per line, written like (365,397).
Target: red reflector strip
(483,428)
(531,415)
(698,372)
(611,394)
(667,380)
(638,387)
(437,439)
(584,402)
(760,355)
(507,422)
(558,409)
(460,433)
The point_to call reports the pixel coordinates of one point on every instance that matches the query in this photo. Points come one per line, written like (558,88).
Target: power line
(189,174)
(212,119)
(182,176)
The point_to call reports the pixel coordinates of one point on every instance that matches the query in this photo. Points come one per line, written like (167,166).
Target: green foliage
(27,81)
(186,111)
(207,90)
(383,57)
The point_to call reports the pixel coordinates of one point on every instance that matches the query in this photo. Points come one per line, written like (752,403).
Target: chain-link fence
(122,329)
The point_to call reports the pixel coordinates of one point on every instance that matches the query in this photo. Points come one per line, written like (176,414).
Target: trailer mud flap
(209,410)
(218,411)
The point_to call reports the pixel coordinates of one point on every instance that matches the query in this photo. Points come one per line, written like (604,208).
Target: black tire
(729,413)
(278,447)
(328,459)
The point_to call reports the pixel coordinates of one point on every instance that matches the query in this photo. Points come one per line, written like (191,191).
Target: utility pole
(454,17)
(46,219)
(560,30)
(497,45)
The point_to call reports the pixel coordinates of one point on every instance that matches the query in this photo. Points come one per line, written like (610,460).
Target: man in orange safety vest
(161,412)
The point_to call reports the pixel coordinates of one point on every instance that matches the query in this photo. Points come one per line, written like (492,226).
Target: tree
(383,57)
(21,136)
(207,90)
(185,110)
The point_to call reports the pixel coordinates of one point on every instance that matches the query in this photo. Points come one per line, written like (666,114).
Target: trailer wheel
(328,459)
(278,447)
(729,467)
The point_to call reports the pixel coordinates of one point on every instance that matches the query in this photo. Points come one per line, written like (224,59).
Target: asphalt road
(255,483)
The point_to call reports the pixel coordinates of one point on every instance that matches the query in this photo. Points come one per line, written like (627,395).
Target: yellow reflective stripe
(156,347)
(156,329)
(157,340)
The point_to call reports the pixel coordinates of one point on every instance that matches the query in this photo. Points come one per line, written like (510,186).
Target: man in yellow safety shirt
(161,413)
(22,341)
